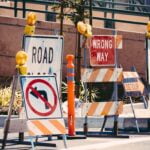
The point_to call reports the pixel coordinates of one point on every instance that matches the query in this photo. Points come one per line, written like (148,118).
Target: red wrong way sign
(41,97)
(102,50)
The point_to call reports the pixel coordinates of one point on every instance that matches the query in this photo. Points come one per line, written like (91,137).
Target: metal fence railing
(110,6)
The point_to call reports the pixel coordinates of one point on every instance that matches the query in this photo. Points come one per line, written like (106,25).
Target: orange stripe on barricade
(132,86)
(120,77)
(92,109)
(46,127)
(59,126)
(101,75)
(31,133)
(120,108)
(41,127)
(119,41)
(102,108)
(108,75)
(130,74)
(93,75)
(107,108)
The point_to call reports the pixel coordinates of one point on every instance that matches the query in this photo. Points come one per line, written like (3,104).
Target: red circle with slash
(31,88)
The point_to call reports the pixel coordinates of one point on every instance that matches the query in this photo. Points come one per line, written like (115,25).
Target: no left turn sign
(41,97)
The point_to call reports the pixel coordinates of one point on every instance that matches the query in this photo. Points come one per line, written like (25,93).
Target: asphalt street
(134,142)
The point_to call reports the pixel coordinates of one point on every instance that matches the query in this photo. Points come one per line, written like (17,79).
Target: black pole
(78,68)
(24,9)
(6,128)
(61,18)
(15,8)
(90,12)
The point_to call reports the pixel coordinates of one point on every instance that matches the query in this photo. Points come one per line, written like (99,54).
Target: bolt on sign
(102,50)
(44,54)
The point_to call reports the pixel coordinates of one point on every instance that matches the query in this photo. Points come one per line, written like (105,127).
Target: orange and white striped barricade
(101,75)
(99,109)
(132,84)
(46,127)
(133,87)
(118,41)
(44,114)
(102,108)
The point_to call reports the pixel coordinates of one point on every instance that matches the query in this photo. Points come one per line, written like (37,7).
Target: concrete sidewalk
(126,119)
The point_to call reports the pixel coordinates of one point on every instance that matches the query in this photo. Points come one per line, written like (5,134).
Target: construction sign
(41,97)
(44,54)
(132,84)
(102,50)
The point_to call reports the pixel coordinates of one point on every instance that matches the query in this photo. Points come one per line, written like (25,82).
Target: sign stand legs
(85,125)
(104,123)
(6,128)
(145,102)
(32,143)
(136,122)
(64,139)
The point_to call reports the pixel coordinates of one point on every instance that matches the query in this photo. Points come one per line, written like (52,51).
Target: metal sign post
(115,90)
(148,64)
(6,128)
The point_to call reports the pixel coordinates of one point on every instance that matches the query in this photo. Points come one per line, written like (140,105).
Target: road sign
(45,54)
(102,50)
(132,84)
(41,97)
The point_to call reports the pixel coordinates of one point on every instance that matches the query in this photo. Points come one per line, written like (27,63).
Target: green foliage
(75,9)
(5,96)
(85,94)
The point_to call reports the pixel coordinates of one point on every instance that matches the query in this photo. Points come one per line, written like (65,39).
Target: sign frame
(148,60)
(22,78)
(114,51)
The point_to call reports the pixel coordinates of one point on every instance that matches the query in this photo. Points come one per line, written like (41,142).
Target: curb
(96,122)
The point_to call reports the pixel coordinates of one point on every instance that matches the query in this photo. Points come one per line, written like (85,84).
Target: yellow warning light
(148,30)
(29,30)
(21,59)
(30,27)
(31,19)
(84,29)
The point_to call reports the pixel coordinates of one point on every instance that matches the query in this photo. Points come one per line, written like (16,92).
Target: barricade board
(101,75)
(46,127)
(102,108)
(132,84)
(17,125)
(41,98)
(44,55)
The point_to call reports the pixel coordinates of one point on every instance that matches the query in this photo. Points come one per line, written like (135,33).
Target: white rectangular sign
(44,55)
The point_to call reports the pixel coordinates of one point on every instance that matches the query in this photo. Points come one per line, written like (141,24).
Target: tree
(75,11)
